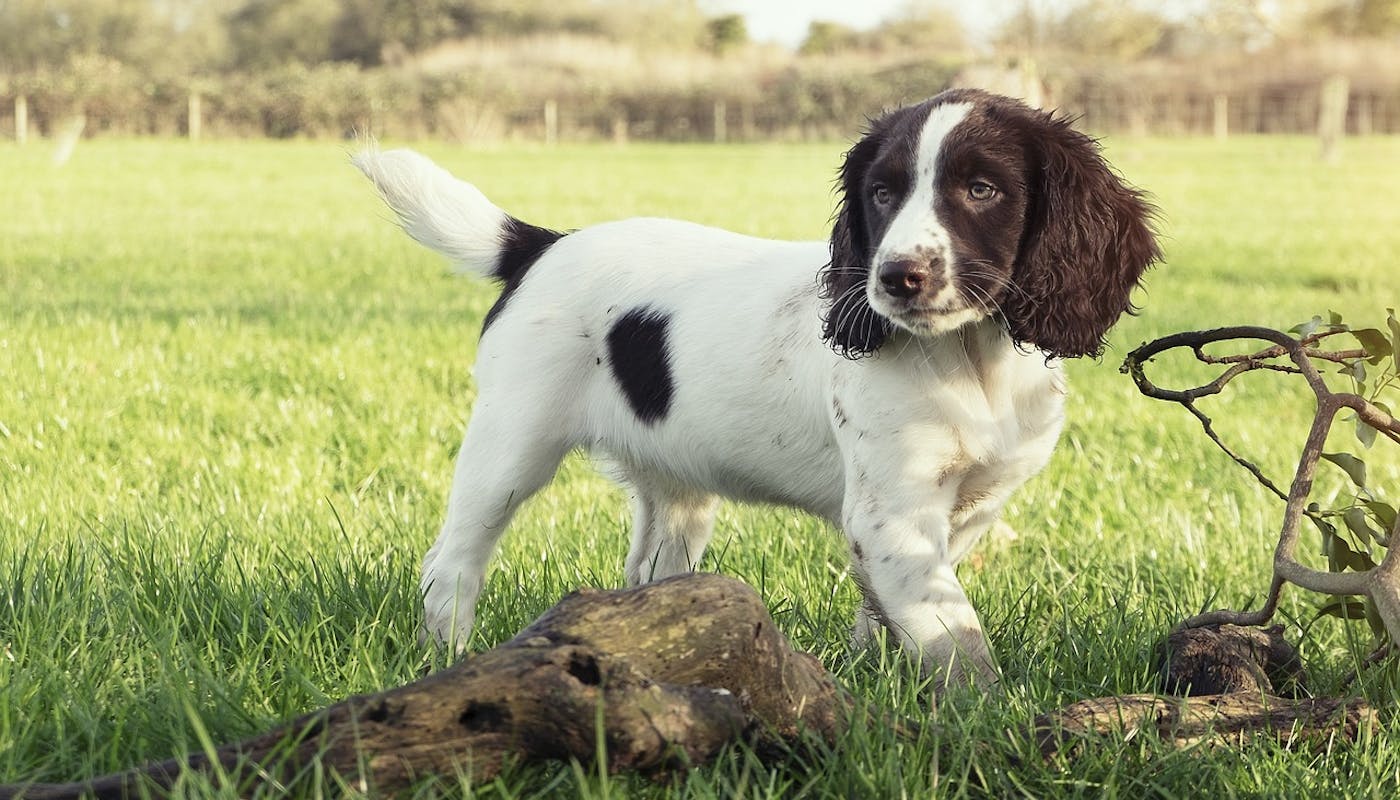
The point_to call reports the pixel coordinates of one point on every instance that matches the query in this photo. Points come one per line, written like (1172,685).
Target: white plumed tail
(438,210)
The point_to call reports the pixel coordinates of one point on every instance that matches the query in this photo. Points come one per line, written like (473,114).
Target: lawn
(231,392)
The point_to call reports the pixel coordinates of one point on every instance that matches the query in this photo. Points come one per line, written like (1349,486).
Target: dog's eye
(981,190)
(880,193)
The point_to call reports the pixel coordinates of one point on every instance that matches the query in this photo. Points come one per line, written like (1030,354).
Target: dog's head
(972,205)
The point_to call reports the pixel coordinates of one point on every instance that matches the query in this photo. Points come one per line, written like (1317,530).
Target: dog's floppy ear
(1089,238)
(851,326)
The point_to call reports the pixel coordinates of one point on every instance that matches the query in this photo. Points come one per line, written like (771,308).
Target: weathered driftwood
(1219,719)
(1233,676)
(669,673)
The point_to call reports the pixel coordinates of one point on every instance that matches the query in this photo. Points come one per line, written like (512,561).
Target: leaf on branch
(1305,329)
(1376,622)
(1343,608)
(1375,343)
(1365,434)
(1354,467)
(1329,531)
(1385,513)
(1356,520)
(1356,370)
(1340,556)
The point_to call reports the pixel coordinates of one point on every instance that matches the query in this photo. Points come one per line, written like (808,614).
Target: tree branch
(1380,584)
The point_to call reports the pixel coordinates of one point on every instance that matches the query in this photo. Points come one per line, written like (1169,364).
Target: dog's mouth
(923,317)
(932,322)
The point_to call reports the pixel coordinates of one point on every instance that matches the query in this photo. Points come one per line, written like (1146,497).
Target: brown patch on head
(1044,235)
(885,154)
(983,154)
(1087,236)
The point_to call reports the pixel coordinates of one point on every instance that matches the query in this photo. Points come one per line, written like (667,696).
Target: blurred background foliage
(675,69)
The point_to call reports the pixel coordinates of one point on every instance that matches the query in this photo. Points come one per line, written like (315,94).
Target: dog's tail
(453,217)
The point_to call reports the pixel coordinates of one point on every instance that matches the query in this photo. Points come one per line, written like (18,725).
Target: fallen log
(1221,719)
(668,673)
(1231,676)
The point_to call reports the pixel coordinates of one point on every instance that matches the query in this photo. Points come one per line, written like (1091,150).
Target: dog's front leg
(901,485)
(901,560)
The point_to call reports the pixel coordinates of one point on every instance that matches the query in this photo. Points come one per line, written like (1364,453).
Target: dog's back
(653,321)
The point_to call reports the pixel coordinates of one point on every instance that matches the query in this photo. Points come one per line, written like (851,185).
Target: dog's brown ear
(851,326)
(1089,238)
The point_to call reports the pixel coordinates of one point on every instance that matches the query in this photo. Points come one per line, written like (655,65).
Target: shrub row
(796,100)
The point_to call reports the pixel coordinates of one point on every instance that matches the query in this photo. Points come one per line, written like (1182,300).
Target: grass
(233,392)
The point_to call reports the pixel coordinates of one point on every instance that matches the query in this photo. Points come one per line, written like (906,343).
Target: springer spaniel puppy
(900,380)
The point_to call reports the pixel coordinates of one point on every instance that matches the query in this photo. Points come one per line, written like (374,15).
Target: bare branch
(1381,584)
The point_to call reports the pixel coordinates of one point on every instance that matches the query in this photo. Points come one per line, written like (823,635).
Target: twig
(1380,584)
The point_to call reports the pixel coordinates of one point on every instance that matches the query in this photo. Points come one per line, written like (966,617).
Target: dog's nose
(904,279)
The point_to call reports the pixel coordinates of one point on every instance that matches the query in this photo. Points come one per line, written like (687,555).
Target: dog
(900,380)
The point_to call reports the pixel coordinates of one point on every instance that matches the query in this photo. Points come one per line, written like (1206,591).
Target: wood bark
(1221,719)
(668,673)
(1233,675)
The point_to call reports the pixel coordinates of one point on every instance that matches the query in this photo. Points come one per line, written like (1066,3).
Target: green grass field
(231,392)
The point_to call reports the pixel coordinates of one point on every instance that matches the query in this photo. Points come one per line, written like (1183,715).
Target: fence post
(195,118)
(551,121)
(721,124)
(1221,116)
(1332,115)
(21,119)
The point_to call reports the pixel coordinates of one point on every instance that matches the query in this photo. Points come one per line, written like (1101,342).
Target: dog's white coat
(913,451)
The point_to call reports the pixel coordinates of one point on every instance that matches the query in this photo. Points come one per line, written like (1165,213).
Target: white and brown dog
(900,380)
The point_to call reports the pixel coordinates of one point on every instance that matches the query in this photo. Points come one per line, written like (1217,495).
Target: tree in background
(919,26)
(726,33)
(1108,29)
(370,32)
(1358,17)
(826,38)
(176,36)
(1088,29)
(264,34)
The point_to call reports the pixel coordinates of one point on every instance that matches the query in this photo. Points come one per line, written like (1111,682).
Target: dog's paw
(448,612)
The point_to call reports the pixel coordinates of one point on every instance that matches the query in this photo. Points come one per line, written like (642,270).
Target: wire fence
(338,102)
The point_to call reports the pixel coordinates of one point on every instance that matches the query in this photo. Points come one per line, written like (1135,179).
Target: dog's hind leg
(505,458)
(670,529)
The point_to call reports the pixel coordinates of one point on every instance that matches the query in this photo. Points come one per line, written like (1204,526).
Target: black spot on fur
(641,362)
(522,244)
